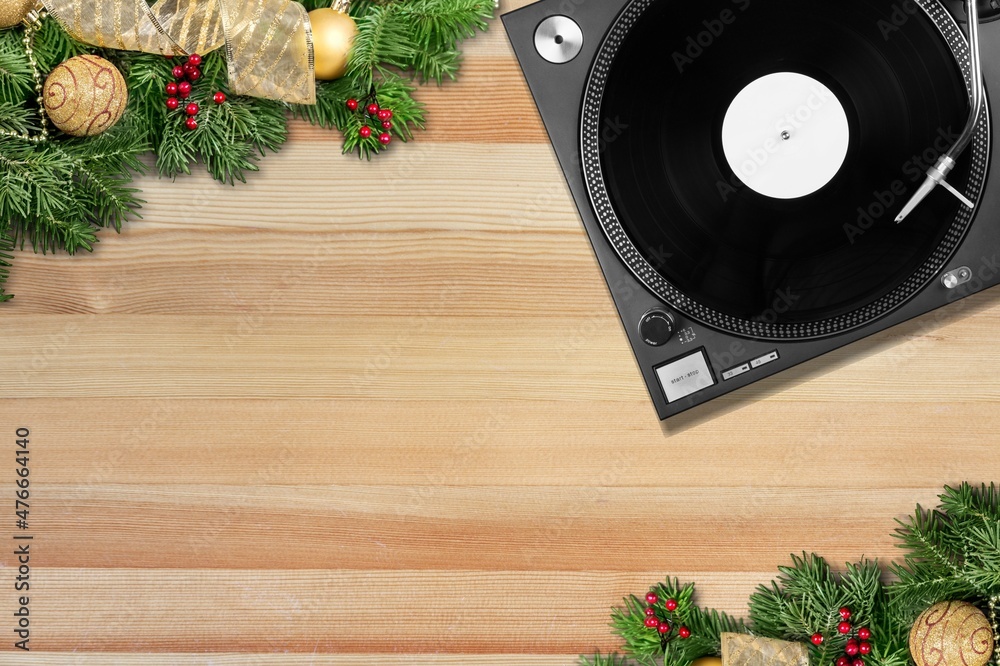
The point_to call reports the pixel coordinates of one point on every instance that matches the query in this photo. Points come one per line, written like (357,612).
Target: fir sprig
(56,194)
(648,646)
(6,248)
(953,553)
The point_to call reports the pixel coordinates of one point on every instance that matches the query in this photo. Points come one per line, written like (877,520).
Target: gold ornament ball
(951,633)
(707,661)
(85,95)
(13,12)
(333,32)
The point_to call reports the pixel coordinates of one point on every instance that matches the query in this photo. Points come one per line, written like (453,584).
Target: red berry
(817,639)
(843,661)
(193,74)
(652,598)
(671,605)
(178,72)
(219,97)
(844,627)
(650,612)
(372,109)
(852,649)
(864,633)
(664,628)
(387,125)
(652,622)
(192,124)
(171,88)
(385,138)
(858,662)
(865,648)
(352,104)
(384,114)
(684,632)
(194,60)
(845,613)
(173,103)
(184,89)
(365,132)
(192,109)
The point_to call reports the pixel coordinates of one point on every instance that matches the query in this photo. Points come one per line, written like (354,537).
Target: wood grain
(385,413)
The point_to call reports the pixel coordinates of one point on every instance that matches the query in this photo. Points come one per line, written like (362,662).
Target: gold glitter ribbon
(744,650)
(268,42)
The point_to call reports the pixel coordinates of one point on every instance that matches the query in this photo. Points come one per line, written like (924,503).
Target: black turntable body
(739,166)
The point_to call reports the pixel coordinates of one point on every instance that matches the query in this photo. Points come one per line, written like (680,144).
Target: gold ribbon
(268,42)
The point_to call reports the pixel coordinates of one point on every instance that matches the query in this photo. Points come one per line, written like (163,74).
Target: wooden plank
(433,527)
(413,444)
(455,612)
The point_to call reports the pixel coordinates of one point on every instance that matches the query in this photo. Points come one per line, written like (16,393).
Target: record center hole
(560,39)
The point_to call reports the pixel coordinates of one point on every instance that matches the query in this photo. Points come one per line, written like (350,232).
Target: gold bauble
(13,12)
(707,661)
(85,95)
(332,32)
(951,633)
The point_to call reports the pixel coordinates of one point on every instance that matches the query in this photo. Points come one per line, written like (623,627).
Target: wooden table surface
(385,413)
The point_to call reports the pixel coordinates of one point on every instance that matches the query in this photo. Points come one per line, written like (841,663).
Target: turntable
(764,181)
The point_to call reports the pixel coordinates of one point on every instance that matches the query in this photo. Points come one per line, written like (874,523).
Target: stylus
(938,173)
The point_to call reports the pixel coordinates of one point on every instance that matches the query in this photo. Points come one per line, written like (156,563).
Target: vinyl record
(770,244)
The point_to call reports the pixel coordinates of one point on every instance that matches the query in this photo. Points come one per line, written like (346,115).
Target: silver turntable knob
(558,39)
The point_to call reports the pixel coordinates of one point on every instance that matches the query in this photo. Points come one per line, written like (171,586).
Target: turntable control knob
(656,328)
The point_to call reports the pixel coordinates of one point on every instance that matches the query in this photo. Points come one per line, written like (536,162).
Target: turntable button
(764,360)
(656,328)
(685,376)
(735,372)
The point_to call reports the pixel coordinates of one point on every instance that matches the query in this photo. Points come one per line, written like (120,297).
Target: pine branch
(6,248)
(16,81)
(648,646)
(384,40)
(53,45)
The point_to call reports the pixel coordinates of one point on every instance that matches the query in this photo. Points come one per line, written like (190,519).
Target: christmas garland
(939,608)
(57,191)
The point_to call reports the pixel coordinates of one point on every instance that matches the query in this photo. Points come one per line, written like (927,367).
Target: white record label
(786,135)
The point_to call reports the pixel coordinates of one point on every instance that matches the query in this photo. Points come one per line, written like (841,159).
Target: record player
(764,181)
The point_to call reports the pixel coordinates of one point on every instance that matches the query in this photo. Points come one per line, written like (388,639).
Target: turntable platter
(675,151)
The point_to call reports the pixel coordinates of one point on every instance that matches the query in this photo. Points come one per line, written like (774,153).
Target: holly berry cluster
(858,644)
(661,618)
(373,113)
(180,89)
